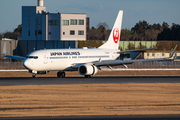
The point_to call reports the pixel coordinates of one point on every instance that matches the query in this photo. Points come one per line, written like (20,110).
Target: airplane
(87,61)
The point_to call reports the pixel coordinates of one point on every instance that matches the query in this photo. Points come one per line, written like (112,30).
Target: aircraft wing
(15,57)
(114,62)
(11,56)
(121,62)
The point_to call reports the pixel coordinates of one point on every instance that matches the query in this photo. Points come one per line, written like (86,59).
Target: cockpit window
(34,57)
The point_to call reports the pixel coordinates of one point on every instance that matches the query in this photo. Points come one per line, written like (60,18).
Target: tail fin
(113,40)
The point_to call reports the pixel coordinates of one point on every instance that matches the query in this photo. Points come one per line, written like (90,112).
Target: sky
(152,11)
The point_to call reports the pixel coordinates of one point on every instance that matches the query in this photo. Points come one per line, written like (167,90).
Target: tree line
(12,35)
(142,31)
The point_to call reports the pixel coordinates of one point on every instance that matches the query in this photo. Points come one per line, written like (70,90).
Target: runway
(95,80)
(82,80)
(146,117)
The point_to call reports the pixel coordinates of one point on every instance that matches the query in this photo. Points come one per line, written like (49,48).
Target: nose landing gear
(34,75)
(61,74)
(88,76)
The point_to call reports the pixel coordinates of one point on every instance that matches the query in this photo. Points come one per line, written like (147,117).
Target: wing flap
(139,50)
(122,62)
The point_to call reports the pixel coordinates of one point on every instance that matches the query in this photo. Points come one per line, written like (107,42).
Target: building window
(53,22)
(72,32)
(50,22)
(39,22)
(56,22)
(65,22)
(153,54)
(81,22)
(63,33)
(73,22)
(35,22)
(80,32)
(35,32)
(162,54)
(29,23)
(29,33)
(29,13)
(148,54)
(39,32)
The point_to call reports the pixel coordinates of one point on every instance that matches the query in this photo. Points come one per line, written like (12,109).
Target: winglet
(172,52)
(4,50)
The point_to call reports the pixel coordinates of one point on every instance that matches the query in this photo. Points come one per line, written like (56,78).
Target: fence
(154,65)
(7,65)
(24,47)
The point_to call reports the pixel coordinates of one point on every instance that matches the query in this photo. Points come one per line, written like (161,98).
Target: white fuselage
(61,59)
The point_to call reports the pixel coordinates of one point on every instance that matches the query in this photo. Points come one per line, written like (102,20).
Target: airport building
(37,24)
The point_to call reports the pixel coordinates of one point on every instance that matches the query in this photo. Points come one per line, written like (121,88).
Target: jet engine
(87,69)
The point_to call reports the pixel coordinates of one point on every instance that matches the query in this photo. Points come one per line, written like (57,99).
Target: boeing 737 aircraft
(87,61)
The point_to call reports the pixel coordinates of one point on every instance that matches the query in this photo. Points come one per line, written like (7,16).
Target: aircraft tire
(34,76)
(63,74)
(59,74)
(88,76)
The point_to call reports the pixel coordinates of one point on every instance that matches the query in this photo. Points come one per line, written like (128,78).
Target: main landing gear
(61,74)
(88,76)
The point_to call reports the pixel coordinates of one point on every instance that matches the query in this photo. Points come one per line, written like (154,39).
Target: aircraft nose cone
(26,64)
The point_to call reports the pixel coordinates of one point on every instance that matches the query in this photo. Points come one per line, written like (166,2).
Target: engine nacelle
(87,69)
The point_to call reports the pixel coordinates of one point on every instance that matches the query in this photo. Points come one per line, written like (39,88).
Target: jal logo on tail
(116,35)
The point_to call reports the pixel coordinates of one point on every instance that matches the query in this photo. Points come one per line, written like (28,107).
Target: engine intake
(87,69)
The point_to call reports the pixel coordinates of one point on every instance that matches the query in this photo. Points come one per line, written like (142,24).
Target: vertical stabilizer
(114,37)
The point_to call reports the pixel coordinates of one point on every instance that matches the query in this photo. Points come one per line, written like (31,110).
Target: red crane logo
(116,35)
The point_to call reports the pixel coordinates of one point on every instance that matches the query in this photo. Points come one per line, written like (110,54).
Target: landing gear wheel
(61,74)
(58,74)
(88,76)
(34,76)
